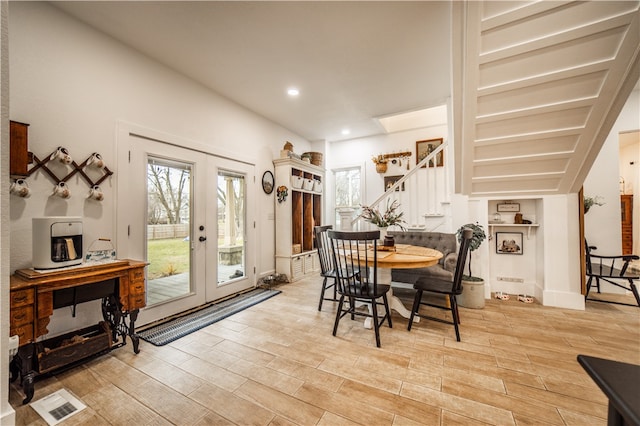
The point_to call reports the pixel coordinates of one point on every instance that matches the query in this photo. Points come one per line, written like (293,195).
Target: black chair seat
(436,286)
(609,272)
(368,291)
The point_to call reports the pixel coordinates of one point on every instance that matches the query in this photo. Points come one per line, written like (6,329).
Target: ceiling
(353,62)
(540,87)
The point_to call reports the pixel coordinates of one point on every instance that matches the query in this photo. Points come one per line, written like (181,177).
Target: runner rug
(175,328)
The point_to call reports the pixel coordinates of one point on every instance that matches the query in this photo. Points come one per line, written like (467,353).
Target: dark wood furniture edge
(619,381)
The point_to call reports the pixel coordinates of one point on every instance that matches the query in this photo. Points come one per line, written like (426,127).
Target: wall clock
(267,182)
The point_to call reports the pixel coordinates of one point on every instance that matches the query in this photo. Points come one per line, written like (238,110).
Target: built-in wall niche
(515,251)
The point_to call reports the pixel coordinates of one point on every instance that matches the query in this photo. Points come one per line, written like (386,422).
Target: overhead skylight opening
(293,92)
(415,119)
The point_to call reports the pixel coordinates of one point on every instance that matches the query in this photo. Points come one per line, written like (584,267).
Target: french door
(189,214)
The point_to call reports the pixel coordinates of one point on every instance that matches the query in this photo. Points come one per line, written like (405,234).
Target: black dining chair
(449,288)
(356,251)
(613,270)
(325,256)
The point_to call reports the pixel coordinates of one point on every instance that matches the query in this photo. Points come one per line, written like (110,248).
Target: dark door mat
(175,328)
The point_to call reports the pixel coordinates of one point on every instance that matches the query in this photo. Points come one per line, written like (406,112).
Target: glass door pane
(231,227)
(168,230)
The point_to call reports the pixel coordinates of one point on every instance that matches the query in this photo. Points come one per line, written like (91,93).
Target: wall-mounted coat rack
(94,159)
(396,155)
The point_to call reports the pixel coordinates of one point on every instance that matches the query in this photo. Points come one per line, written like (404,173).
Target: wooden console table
(35,294)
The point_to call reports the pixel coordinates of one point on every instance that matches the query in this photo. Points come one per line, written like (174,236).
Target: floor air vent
(57,406)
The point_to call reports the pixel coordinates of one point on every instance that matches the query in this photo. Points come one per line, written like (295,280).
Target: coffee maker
(57,242)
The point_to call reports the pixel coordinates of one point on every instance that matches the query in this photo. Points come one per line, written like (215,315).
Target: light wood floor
(277,363)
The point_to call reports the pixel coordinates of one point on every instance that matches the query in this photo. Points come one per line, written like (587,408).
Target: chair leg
(352,308)
(415,308)
(324,287)
(376,325)
(586,296)
(454,314)
(335,325)
(634,290)
(386,307)
(457,317)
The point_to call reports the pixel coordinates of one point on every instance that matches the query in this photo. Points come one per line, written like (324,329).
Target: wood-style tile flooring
(277,363)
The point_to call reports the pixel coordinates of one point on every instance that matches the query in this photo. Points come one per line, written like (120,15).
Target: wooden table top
(406,256)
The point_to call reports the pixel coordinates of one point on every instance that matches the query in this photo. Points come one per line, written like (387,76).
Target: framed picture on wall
(389,181)
(267,182)
(426,147)
(509,242)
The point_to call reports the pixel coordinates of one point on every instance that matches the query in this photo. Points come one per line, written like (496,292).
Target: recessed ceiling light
(346,132)
(293,92)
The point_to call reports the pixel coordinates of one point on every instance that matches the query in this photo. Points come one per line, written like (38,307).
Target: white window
(347,191)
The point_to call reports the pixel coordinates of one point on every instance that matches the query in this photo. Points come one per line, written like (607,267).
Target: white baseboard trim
(8,417)
(563,299)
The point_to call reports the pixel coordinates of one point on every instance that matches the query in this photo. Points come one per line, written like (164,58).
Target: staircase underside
(537,89)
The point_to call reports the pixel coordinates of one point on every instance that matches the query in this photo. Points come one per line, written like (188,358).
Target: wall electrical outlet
(511,279)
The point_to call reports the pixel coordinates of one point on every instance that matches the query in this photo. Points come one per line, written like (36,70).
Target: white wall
(7,414)
(602,223)
(73,85)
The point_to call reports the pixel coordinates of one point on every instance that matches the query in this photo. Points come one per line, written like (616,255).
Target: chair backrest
(324,248)
(355,260)
(467,234)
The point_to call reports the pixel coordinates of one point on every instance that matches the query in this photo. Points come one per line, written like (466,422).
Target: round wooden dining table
(401,256)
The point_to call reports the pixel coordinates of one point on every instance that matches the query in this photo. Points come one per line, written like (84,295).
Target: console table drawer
(24,332)
(21,316)
(137,301)
(22,298)
(136,275)
(136,287)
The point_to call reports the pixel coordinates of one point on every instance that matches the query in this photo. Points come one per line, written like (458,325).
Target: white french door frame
(134,146)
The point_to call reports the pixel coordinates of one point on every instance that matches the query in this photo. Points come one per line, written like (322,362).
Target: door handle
(201,239)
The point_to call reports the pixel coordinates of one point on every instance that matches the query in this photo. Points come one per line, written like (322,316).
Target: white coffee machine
(57,242)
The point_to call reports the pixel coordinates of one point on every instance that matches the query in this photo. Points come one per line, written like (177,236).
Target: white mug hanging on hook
(62,190)
(62,154)
(20,188)
(95,193)
(96,161)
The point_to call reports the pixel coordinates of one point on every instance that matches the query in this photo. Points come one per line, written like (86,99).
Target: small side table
(620,382)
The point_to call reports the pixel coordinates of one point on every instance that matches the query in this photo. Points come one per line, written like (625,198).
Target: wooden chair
(354,251)
(326,263)
(450,288)
(613,270)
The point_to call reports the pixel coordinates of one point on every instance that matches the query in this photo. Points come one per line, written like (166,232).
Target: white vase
(383,233)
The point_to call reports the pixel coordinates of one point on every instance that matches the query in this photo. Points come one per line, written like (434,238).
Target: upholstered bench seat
(443,242)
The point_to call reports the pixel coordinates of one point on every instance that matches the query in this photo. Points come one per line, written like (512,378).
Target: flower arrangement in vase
(592,201)
(390,217)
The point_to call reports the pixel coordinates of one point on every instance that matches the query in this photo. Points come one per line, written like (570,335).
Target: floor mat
(175,328)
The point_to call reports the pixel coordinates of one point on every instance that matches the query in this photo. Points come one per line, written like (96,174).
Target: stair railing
(427,191)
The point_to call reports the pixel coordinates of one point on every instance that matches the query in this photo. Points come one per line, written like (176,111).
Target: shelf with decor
(298,209)
(514,225)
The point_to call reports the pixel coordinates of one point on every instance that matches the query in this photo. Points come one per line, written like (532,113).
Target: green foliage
(592,201)
(167,256)
(390,217)
(478,235)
